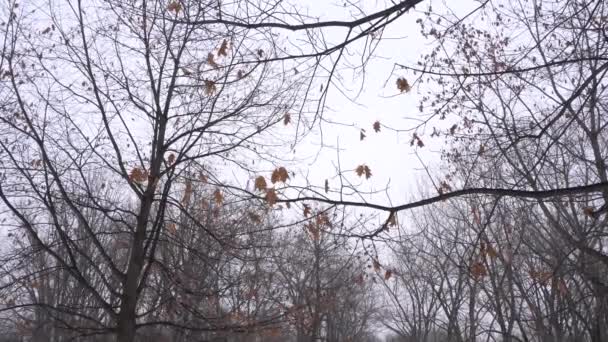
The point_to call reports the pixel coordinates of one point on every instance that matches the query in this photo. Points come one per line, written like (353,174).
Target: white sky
(387,153)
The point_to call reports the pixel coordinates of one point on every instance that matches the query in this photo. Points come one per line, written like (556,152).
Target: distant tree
(322,281)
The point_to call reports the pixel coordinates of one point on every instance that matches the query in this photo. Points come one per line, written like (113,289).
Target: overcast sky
(388,153)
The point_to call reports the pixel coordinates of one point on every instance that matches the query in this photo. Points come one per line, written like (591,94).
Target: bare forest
(169,171)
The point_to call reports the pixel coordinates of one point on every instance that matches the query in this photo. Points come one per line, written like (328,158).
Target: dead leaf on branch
(541,277)
(223,51)
(453,129)
(478,270)
(491,252)
(326,186)
(172,228)
(210,87)
(174,6)
(323,220)
(416,139)
(388,274)
(36,163)
(314,231)
(307,210)
(211,60)
(444,187)
(377,265)
(377,126)
(403,85)
(171,159)
(260,183)
(187,193)
(255,217)
(362,134)
(271,197)
(279,175)
(286,119)
(218,196)
(363,170)
(476,216)
(138,175)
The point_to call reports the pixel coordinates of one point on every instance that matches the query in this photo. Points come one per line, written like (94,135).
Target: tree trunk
(127,315)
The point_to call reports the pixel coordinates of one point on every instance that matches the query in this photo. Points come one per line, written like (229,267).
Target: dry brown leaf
(478,270)
(211,60)
(187,193)
(307,210)
(171,159)
(362,134)
(541,277)
(174,6)
(210,87)
(377,126)
(453,129)
(36,162)
(376,264)
(223,51)
(359,280)
(172,228)
(279,175)
(403,85)
(260,183)
(138,175)
(255,217)
(363,170)
(588,211)
(286,119)
(218,196)
(476,217)
(444,187)
(323,220)
(326,186)
(491,252)
(388,274)
(414,138)
(315,232)
(271,197)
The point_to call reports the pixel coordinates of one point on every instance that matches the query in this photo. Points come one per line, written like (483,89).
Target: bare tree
(117,112)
